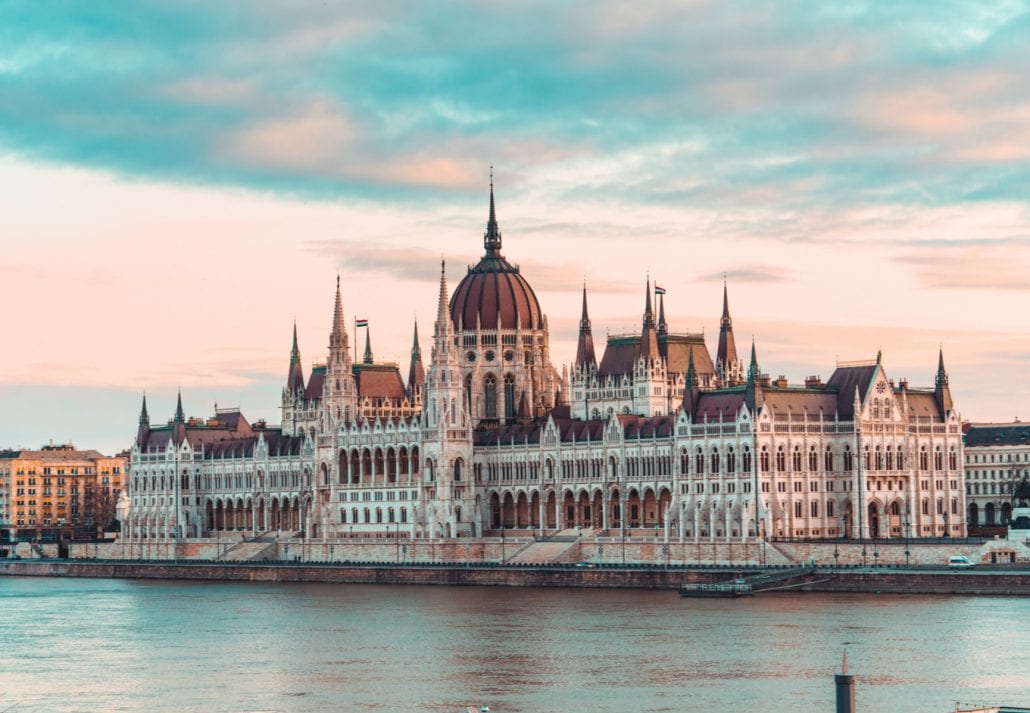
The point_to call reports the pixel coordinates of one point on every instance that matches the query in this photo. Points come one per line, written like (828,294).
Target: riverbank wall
(995,581)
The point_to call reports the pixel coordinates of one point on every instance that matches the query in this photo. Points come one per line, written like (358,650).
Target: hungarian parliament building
(488,436)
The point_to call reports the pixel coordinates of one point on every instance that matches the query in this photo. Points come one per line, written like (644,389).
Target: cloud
(966,266)
(748,273)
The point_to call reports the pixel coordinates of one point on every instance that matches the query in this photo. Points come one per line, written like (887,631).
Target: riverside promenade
(997,580)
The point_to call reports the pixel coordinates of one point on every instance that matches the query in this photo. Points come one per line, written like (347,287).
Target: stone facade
(655,440)
(997,457)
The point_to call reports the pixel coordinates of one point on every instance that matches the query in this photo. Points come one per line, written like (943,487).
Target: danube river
(119,645)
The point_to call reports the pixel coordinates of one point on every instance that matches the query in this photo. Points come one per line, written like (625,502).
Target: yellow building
(58,487)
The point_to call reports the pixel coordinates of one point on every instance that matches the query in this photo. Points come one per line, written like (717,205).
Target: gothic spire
(691,389)
(941,390)
(368,346)
(585,348)
(648,337)
(663,328)
(295,376)
(338,344)
(753,395)
(144,417)
(417,372)
(726,356)
(180,416)
(492,236)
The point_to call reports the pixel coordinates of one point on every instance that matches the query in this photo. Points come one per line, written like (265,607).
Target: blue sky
(845,164)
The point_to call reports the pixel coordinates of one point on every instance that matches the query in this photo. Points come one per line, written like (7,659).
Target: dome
(493,293)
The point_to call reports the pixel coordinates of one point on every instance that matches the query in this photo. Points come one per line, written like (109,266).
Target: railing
(884,540)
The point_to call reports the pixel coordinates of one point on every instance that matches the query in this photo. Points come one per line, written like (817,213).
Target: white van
(960,562)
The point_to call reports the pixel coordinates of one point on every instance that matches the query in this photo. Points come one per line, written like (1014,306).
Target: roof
(66,456)
(316,382)
(923,405)
(998,434)
(647,426)
(622,352)
(799,401)
(845,379)
(495,295)
(719,405)
(379,381)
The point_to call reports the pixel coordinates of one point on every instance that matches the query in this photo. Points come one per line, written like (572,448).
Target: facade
(59,487)
(997,457)
(489,436)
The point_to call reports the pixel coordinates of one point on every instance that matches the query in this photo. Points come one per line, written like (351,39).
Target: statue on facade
(1021,493)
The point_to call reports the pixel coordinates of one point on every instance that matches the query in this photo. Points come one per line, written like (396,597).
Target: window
(814,508)
(509,397)
(829,508)
(848,459)
(490,396)
(781,460)
(797,509)
(813,460)
(795,460)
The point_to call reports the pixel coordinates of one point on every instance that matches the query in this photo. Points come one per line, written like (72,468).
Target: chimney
(781,381)
(813,382)
(765,381)
(845,688)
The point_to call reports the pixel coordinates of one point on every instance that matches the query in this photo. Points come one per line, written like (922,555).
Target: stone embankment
(1004,581)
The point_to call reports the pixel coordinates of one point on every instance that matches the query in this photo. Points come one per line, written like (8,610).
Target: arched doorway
(874,520)
(974,514)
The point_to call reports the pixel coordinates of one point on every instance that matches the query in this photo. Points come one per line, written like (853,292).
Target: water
(118,645)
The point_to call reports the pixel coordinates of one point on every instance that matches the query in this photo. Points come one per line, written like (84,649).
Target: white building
(490,437)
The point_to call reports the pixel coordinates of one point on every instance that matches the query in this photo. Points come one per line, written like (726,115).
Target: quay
(1001,580)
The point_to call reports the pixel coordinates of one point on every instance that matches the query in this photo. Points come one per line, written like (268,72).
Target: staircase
(548,550)
(250,550)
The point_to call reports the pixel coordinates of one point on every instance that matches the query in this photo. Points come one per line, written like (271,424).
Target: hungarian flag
(360,322)
(658,290)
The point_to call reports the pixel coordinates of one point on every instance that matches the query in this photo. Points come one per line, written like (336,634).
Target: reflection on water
(70,645)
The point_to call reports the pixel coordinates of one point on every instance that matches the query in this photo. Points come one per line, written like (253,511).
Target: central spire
(585,347)
(492,236)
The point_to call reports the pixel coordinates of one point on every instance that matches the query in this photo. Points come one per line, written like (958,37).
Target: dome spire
(492,236)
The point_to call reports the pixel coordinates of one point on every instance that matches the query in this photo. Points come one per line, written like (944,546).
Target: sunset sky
(182,180)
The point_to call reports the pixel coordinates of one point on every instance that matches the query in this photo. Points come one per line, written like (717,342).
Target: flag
(658,290)
(360,322)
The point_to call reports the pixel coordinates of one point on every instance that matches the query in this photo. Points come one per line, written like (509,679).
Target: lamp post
(876,555)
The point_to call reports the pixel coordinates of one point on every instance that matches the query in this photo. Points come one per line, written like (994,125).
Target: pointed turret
(585,356)
(367,358)
(338,343)
(416,372)
(663,328)
(753,396)
(691,388)
(443,333)
(941,390)
(144,424)
(295,377)
(180,416)
(726,362)
(492,236)
(648,336)
(522,415)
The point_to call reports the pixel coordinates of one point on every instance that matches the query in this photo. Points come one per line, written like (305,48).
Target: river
(122,645)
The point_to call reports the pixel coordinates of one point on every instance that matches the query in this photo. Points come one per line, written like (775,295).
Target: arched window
(509,396)
(924,459)
(815,508)
(731,461)
(879,458)
(829,508)
(715,461)
(781,459)
(926,507)
(764,460)
(343,517)
(490,396)
(747,461)
(890,458)
(699,462)
(795,460)
(797,509)
(938,459)
(828,460)
(849,459)
(813,460)
(952,459)
(684,462)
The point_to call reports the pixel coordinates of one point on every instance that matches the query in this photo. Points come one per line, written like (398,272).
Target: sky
(181,181)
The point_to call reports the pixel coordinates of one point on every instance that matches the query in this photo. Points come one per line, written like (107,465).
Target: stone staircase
(250,550)
(548,550)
